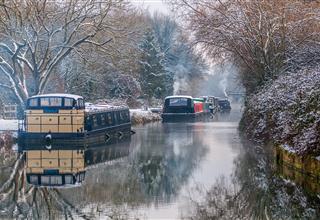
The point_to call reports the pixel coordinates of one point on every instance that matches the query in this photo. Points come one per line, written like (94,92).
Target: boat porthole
(48,141)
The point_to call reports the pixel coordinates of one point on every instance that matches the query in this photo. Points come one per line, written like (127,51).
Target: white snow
(288,148)
(89,107)
(140,116)
(8,125)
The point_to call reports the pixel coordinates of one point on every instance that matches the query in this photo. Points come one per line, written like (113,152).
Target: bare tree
(37,35)
(260,36)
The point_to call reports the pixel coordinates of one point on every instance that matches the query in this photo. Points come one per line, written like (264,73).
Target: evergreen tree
(152,74)
(184,68)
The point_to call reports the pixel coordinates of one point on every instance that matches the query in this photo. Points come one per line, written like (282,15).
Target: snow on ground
(140,116)
(8,125)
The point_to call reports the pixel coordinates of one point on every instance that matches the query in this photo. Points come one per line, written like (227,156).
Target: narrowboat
(57,119)
(213,104)
(224,105)
(67,166)
(184,108)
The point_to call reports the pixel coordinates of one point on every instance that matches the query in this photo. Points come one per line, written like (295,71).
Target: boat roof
(198,99)
(179,96)
(96,108)
(62,95)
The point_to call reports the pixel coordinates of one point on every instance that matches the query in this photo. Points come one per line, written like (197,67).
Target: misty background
(142,54)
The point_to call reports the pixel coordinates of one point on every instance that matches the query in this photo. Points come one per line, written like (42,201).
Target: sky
(152,5)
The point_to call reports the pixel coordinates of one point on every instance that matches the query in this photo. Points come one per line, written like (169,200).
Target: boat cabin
(54,113)
(52,103)
(178,104)
(58,118)
(224,105)
(184,108)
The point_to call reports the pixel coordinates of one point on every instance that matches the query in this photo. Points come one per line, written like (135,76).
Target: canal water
(167,165)
(200,170)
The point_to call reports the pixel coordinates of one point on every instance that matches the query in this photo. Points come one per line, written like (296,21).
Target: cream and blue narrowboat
(61,119)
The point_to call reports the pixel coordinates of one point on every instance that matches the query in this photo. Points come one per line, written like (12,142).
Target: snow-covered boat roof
(92,108)
(62,95)
(179,96)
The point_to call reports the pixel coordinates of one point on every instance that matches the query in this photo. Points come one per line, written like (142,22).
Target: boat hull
(107,135)
(184,117)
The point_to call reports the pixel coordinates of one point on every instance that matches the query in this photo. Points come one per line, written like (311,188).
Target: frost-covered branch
(37,35)
(259,36)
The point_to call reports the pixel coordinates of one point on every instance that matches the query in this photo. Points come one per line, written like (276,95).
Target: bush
(287,112)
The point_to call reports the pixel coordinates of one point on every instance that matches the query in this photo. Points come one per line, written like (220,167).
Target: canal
(200,170)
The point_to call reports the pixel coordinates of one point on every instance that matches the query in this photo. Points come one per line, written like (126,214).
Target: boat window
(45,180)
(110,121)
(68,102)
(68,179)
(81,103)
(88,123)
(103,119)
(121,116)
(178,102)
(106,118)
(33,102)
(99,119)
(56,180)
(51,102)
(33,179)
(94,119)
(117,117)
(125,116)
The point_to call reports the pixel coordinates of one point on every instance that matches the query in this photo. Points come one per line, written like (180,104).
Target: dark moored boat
(224,105)
(184,108)
(60,119)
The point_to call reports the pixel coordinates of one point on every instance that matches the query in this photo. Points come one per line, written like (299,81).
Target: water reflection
(67,165)
(149,175)
(44,170)
(164,165)
(55,167)
(258,189)
(159,165)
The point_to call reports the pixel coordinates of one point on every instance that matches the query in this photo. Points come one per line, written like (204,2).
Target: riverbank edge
(144,117)
(307,164)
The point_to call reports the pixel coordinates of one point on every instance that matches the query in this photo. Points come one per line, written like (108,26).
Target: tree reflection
(165,163)
(159,164)
(149,171)
(21,200)
(255,192)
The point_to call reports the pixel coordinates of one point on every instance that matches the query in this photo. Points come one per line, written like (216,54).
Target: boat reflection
(54,168)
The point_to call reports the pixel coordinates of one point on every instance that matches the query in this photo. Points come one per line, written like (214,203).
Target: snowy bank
(139,116)
(8,125)
(7,154)
(287,112)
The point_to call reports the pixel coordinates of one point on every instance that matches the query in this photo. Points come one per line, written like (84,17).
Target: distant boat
(184,108)
(57,119)
(224,105)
